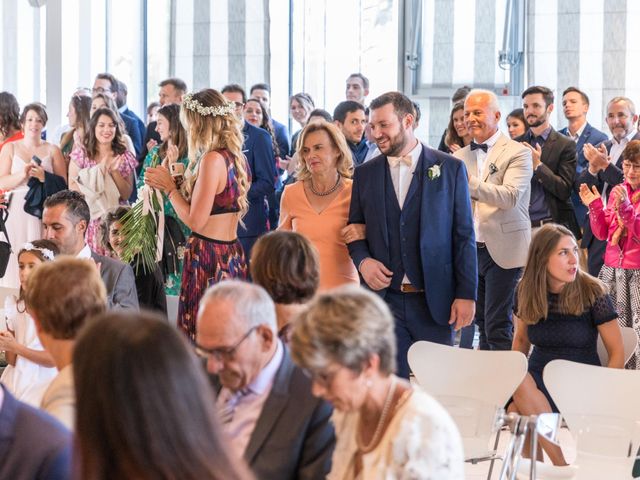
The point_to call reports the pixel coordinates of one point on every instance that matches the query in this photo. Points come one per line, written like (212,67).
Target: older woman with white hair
(385,428)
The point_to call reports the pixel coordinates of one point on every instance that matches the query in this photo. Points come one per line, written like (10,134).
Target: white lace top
(421,442)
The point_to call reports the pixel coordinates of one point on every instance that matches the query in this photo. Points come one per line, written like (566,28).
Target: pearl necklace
(328,192)
(383,417)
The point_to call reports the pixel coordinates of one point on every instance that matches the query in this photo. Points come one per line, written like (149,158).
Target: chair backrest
(488,376)
(470,384)
(629,340)
(600,406)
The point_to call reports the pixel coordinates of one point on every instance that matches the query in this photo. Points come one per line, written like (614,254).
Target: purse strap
(4,214)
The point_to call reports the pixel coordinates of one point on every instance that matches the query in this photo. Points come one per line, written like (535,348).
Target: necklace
(328,192)
(383,417)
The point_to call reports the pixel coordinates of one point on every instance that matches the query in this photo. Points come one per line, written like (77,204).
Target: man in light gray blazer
(65,219)
(265,402)
(500,186)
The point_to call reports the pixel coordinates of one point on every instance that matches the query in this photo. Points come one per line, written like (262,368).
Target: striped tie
(228,408)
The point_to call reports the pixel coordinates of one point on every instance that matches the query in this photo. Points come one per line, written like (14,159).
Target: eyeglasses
(630,166)
(222,354)
(239,104)
(101,90)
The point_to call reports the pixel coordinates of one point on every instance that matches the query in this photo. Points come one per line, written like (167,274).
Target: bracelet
(171,193)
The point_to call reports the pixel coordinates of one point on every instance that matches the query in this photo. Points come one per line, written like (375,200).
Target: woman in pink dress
(103,147)
(317,205)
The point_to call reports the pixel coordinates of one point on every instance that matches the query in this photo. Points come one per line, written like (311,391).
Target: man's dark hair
(584,96)
(260,86)
(546,93)
(460,94)
(343,108)
(402,105)
(234,88)
(177,83)
(75,203)
(112,81)
(319,112)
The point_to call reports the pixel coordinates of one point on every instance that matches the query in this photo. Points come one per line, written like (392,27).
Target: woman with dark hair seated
(149,283)
(145,409)
(285,264)
(560,310)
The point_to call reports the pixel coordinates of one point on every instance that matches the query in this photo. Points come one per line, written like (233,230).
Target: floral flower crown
(46,253)
(194,105)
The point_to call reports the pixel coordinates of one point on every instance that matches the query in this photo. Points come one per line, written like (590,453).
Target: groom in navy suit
(419,253)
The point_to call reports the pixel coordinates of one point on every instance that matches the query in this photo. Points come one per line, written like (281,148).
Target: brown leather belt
(408,288)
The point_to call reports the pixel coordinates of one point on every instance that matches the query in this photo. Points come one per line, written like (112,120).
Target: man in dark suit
(554,164)
(262,92)
(33,445)
(575,104)
(605,168)
(258,149)
(108,84)
(171,91)
(419,253)
(65,219)
(123,108)
(264,400)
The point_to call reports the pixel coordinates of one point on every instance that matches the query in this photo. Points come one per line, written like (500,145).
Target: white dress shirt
(481,156)
(85,252)
(402,174)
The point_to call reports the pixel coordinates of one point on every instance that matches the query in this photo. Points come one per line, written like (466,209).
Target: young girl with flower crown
(30,369)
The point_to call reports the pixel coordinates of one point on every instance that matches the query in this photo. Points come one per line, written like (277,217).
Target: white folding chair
(600,406)
(629,340)
(472,385)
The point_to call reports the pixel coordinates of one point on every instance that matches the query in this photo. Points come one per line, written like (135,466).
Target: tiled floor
(480,470)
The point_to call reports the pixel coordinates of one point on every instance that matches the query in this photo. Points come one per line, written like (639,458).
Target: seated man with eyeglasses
(265,401)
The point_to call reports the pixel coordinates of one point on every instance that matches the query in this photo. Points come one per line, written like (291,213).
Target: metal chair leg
(495,449)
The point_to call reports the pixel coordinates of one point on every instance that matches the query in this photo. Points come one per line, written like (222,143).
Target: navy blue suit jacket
(259,152)
(282,137)
(33,445)
(448,254)
(133,131)
(592,136)
(139,123)
(589,135)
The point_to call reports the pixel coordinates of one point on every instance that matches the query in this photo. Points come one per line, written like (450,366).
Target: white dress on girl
(27,380)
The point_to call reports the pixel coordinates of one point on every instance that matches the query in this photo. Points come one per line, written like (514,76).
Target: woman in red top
(211,200)
(10,129)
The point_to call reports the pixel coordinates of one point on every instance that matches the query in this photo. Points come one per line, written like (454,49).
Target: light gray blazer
(119,281)
(500,199)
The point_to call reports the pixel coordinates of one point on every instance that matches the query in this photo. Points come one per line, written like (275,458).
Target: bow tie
(482,146)
(395,161)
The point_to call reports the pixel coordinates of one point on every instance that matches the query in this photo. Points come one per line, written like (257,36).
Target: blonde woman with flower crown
(211,200)
(30,368)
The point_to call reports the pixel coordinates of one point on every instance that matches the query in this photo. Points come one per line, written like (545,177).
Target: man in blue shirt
(554,164)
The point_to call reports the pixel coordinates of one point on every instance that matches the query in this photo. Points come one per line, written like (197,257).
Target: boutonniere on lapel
(433,172)
(492,168)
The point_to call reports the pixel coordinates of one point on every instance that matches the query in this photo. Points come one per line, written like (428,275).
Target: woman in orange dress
(317,205)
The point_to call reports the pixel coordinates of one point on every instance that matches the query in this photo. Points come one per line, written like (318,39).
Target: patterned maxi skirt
(206,262)
(624,287)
